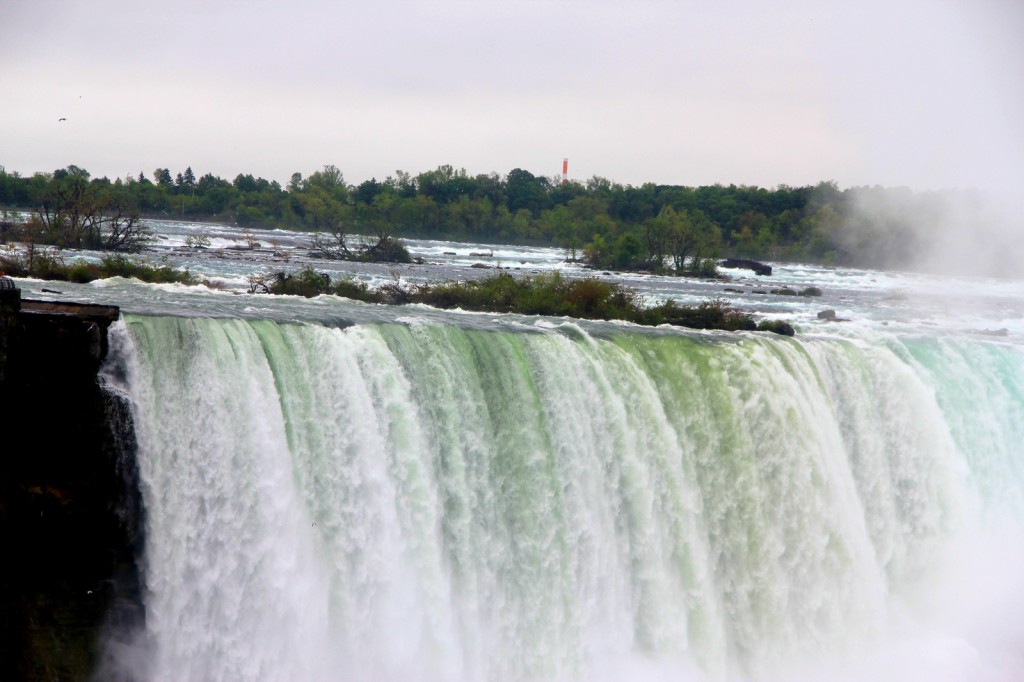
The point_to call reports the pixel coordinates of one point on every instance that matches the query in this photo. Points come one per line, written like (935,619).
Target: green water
(397,502)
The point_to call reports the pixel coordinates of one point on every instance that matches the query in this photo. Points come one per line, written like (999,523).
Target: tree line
(664,228)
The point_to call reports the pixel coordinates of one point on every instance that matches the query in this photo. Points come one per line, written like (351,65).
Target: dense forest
(666,228)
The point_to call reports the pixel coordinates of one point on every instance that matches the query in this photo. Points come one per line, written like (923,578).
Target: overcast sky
(927,94)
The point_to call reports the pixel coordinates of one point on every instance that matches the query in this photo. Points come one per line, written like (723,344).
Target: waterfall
(429,502)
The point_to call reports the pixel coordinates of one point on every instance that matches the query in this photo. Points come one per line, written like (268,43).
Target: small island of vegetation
(51,265)
(546,294)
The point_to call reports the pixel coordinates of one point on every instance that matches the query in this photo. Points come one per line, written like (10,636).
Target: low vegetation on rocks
(546,294)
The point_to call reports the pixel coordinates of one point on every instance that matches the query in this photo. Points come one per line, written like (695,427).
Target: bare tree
(117,228)
(261,282)
(333,245)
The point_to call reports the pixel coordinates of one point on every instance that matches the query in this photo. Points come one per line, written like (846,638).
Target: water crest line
(431,502)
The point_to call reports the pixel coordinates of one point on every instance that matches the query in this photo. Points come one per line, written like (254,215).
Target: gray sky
(928,94)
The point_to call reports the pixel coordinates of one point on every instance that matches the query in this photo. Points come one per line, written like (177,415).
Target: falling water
(430,502)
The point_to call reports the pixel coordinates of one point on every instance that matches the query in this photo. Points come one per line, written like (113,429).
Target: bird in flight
(61,119)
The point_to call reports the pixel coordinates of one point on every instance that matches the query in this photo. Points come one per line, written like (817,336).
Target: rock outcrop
(746,264)
(70,519)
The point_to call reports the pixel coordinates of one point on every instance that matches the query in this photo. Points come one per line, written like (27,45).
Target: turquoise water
(424,501)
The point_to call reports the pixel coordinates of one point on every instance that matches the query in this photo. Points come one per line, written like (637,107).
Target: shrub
(307,283)
(50,265)
(707,315)
(350,288)
(121,266)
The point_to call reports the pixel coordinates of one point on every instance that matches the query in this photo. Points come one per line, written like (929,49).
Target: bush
(707,315)
(350,288)
(82,272)
(308,283)
(122,266)
(38,263)
(386,250)
(50,265)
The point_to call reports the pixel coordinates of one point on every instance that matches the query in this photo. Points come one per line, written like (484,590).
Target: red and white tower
(565,171)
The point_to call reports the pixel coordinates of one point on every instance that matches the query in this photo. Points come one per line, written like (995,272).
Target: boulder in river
(746,264)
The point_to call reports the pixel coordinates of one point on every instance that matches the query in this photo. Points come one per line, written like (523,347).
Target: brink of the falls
(425,501)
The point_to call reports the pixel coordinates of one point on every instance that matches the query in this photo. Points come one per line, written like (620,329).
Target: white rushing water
(340,491)
(429,500)
(870,302)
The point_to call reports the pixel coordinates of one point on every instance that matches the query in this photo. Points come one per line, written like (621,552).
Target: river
(343,491)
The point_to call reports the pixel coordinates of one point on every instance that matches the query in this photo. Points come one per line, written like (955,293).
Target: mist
(961,232)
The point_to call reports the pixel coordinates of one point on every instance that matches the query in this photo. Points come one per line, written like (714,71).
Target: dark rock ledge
(70,511)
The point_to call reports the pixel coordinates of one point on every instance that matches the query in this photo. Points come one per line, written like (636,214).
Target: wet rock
(746,264)
(830,316)
(70,512)
(776,327)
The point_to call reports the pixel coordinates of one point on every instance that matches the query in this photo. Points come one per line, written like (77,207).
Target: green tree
(329,179)
(189,180)
(162,177)
(656,238)
(628,252)
(323,211)
(526,191)
(367,191)
(403,184)
(682,237)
